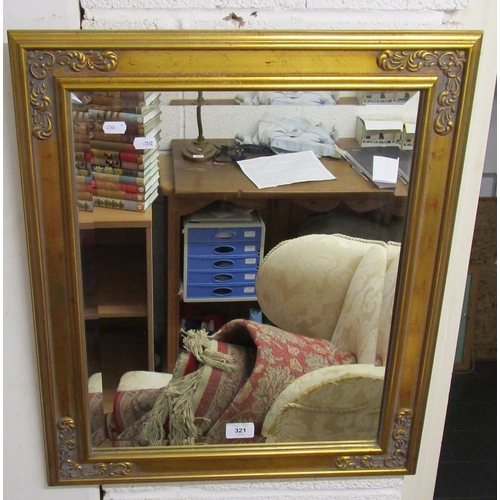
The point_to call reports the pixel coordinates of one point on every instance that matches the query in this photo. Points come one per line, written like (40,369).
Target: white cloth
(287,135)
(297,98)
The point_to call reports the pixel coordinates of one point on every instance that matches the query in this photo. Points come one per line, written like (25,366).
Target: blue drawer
(224,249)
(224,277)
(224,234)
(236,291)
(223,263)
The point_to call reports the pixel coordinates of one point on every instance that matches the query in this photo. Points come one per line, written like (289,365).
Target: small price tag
(114,127)
(144,142)
(245,430)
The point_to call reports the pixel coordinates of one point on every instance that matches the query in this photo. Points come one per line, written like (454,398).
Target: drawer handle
(224,249)
(223,277)
(220,292)
(223,263)
(225,235)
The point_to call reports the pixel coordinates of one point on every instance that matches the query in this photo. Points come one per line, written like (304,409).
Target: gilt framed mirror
(238,243)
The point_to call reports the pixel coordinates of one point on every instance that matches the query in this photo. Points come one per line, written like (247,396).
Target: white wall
(23,445)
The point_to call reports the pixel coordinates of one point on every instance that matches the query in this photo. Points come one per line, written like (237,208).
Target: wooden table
(190,186)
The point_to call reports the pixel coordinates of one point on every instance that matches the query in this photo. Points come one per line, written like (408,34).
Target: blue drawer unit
(221,258)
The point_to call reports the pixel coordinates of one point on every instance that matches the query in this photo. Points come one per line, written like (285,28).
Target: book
(128,138)
(123,99)
(124,195)
(361,159)
(97,124)
(125,179)
(118,170)
(122,146)
(130,188)
(122,204)
(138,116)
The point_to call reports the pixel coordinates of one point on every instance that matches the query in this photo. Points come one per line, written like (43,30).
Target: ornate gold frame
(46,65)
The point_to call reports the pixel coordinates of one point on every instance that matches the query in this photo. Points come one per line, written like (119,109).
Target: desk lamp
(200,149)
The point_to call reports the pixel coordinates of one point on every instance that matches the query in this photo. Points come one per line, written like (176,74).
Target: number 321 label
(244,430)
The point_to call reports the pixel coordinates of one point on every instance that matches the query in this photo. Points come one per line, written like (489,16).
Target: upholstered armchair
(340,289)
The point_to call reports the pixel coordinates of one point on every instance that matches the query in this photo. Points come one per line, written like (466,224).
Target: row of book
(116,149)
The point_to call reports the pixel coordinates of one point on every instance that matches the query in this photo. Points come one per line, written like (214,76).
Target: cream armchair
(339,289)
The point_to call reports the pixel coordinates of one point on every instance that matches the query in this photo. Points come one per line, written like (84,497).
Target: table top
(191,178)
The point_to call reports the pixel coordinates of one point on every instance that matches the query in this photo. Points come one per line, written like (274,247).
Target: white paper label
(144,142)
(249,234)
(244,430)
(114,127)
(249,248)
(249,289)
(251,261)
(249,276)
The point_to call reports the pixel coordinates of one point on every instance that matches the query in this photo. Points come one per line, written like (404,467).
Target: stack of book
(81,148)
(123,134)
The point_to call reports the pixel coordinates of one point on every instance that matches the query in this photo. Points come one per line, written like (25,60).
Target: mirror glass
(175,214)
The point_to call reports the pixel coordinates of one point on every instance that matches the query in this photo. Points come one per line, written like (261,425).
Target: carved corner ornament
(451,63)
(69,469)
(40,63)
(395,460)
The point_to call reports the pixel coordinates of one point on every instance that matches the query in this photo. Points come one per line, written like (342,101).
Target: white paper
(385,169)
(289,168)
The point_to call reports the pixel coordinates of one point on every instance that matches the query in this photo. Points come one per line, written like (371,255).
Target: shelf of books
(115,138)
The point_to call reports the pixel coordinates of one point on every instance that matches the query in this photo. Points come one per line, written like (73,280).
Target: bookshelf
(118,309)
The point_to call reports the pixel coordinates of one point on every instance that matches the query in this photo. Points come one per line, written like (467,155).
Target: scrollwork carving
(394,460)
(69,469)
(40,63)
(451,63)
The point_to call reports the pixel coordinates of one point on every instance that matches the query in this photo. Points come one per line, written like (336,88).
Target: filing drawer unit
(221,258)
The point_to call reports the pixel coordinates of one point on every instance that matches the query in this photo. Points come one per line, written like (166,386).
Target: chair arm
(336,403)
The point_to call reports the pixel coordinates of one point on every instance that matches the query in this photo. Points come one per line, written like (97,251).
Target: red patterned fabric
(267,360)
(281,357)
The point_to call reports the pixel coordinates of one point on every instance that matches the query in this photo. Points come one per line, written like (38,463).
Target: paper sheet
(385,169)
(289,168)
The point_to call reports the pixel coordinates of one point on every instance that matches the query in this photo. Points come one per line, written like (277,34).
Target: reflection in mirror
(284,220)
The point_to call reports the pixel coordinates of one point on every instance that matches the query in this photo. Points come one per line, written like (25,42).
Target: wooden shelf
(117,270)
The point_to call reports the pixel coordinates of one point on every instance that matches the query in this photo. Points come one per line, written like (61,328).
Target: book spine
(121,179)
(103,136)
(82,138)
(111,170)
(81,146)
(85,205)
(135,206)
(83,179)
(131,157)
(80,128)
(115,146)
(130,188)
(132,128)
(84,188)
(84,196)
(104,154)
(80,116)
(124,195)
(116,116)
(105,162)
(129,165)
